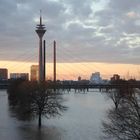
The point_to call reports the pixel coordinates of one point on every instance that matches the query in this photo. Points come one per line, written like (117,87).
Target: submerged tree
(124,123)
(35,99)
(115,96)
(123,89)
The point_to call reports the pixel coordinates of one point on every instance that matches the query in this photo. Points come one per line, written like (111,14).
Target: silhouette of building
(79,78)
(23,76)
(40,30)
(115,77)
(3,74)
(95,78)
(34,73)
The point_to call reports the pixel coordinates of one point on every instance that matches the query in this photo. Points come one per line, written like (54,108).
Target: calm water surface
(82,121)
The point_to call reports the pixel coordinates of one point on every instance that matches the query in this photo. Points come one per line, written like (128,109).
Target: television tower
(40,30)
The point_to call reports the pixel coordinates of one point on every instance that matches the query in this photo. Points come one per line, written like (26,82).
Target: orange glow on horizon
(67,71)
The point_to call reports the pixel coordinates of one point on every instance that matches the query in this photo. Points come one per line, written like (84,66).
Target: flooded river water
(82,120)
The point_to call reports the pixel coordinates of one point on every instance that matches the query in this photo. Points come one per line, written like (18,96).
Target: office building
(95,78)
(3,74)
(34,73)
(23,76)
(115,77)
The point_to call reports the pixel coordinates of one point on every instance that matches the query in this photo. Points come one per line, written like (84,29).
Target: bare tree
(46,102)
(37,100)
(124,123)
(115,96)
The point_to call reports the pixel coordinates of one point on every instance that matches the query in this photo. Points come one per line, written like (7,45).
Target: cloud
(85,30)
(124,6)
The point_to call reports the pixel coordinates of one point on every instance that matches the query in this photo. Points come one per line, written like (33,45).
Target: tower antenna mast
(40,17)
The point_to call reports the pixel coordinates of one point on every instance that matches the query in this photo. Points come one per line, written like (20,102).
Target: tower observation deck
(40,30)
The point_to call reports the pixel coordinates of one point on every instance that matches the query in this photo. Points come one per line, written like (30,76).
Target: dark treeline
(123,119)
(28,100)
(124,89)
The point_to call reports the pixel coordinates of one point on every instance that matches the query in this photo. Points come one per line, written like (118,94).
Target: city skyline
(104,32)
(68,71)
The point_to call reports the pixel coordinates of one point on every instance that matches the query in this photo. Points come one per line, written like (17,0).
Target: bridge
(79,86)
(86,87)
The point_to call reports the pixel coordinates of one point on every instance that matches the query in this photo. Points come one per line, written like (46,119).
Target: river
(82,120)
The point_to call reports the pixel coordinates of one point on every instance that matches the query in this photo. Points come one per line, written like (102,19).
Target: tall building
(115,77)
(3,74)
(40,30)
(79,78)
(95,78)
(34,73)
(23,76)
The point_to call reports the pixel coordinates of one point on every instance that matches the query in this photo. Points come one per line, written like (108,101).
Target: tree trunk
(116,105)
(39,120)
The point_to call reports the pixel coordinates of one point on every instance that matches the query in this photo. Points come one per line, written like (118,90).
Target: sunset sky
(91,35)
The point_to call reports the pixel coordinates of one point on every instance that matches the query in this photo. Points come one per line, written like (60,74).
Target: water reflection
(81,121)
(31,132)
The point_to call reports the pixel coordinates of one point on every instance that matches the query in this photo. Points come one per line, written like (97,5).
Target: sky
(91,35)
